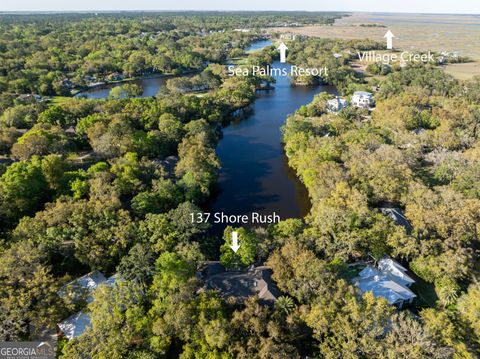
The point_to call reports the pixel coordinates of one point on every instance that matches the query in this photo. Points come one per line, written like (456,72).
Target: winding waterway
(150,85)
(255,176)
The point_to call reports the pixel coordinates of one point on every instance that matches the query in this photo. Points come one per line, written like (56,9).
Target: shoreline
(132,79)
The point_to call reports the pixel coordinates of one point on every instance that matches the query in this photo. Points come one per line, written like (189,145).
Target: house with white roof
(388,280)
(362,99)
(394,269)
(336,104)
(75,324)
(82,288)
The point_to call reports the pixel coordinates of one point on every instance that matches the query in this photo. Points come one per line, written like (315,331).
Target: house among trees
(77,290)
(168,164)
(336,104)
(6,160)
(67,83)
(241,284)
(116,76)
(395,269)
(75,324)
(398,217)
(30,98)
(82,288)
(388,280)
(363,99)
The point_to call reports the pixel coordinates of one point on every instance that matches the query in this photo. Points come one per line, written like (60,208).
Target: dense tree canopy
(111,185)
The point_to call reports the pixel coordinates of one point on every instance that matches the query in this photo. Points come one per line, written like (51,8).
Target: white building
(362,99)
(336,104)
(389,280)
(288,36)
(82,287)
(396,270)
(75,324)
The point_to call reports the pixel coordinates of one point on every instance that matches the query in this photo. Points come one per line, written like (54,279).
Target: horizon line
(20,12)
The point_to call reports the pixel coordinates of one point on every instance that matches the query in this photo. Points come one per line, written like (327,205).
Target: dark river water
(258,45)
(150,85)
(153,84)
(255,176)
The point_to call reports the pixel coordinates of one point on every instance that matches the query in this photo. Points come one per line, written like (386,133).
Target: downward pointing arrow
(235,246)
(389,36)
(283,52)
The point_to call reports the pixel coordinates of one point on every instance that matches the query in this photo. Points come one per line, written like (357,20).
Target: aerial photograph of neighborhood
(265,180)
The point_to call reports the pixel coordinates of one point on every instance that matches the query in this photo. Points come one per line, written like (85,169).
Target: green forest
(110,184)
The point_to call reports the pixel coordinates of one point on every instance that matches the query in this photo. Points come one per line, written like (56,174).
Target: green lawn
(58,100)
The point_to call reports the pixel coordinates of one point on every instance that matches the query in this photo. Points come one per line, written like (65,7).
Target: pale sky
(414,6)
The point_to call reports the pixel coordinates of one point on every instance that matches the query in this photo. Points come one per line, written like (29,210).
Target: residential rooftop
(241,284)
(388,280)
(398,217)
(76,324)
(83,287)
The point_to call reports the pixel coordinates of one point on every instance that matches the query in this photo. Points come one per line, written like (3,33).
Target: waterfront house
(240,284)
(336,104)
(363,99)
(116,76)
(67,83)
(30,98)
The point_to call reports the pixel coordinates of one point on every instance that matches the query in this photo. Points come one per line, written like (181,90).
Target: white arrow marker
(235,246)
(389,36)
(283,52)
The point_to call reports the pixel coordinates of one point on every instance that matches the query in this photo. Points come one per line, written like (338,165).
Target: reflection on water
(258,45)
(150,86)
(255,176)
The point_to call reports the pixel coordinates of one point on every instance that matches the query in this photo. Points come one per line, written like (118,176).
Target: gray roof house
(6,160)
(398,217)
(388,280)
(336,104)
(82,288)
(241,284)
(168,164)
